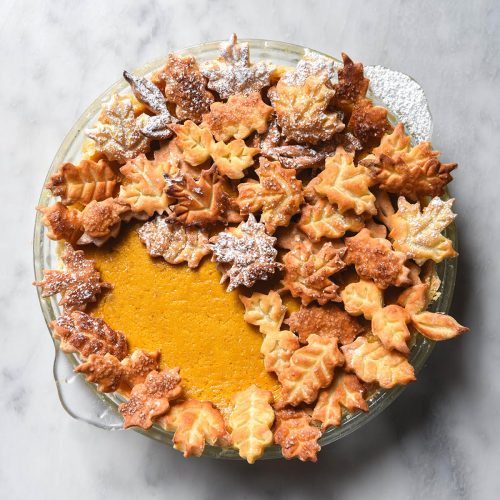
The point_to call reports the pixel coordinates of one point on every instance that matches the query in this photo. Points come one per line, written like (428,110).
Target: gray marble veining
(441,438)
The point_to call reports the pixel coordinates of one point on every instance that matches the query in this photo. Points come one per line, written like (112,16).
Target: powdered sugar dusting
(311,64)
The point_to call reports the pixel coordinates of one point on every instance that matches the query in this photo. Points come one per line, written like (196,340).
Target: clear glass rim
(379,402)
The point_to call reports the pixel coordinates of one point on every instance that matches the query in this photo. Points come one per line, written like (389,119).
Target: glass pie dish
(81,399)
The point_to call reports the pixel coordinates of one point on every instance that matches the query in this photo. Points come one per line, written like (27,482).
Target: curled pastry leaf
(277,349)
(238,117)
(88,181)
(79,282)
(174,242)
(418,234)
(372,362)
(195,423)
(296,435)
(234,158)
(389,325)
(251,421)
(362,298)
(195,142)
(278,195)
(415,298)
(346,392)
(375,259)
(311,369)
(151,398)
(63,223)
(368,123)
(79,332)
(345,184)
(265,311)
(437,326)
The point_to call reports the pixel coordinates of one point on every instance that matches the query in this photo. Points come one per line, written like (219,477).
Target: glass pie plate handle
(81,399)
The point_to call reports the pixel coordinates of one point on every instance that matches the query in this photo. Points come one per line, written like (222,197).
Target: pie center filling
(184,313)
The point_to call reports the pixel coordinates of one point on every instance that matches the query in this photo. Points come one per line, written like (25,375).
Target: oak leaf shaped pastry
(372,362)
(345,184)
(79,282)
(277,349)
(79,332)
(327,321)
(117,134)
(246,253)
(234,158)
(143,187)
(351,86)
(174,242)
(111,374)
(151,398)
(195,142)
(251,421)
(200,201)
(323,220)
(362,298)
(195,423)
(145,91)
(62,222)
(264,310)
(183,84)
(296,435)
(278,194)
(238,117)
(389,325)
(375,259)
(308,271)
(301,98)
(346,392)
(437,326)
(311,369)
(232,73)
(418,233)
(80,184)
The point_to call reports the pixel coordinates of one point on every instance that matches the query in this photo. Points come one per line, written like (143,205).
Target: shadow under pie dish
(289,180)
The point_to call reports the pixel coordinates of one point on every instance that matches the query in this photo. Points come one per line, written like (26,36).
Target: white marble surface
(441,438)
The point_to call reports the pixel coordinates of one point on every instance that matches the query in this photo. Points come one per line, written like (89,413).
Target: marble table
(441,438)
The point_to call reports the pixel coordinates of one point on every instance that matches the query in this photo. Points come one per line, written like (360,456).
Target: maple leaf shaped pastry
(278,194)
(437,326)
(362,298)
(234,158)
(415,298)
(145,91)
(251,421)
(183,84)
(375,259)
(199,201)
(307,272)
(151,399)
(326,321)
(88,181)
(111,374)
(351,86)
(372,362)
(79,332)
(246,253)
(143,187)
(172,161)
(389,325)
(63,223)
(238,117)
(301,98)
(174,242)
(195,423)
(311,369)
(346,392)
(368,123)
(323,220)
(195,142)
(345,184)
(79,282)
(117,134)
(296,435)
(264,310)
(393,144)
(232,73)
(277,349)
(418,233)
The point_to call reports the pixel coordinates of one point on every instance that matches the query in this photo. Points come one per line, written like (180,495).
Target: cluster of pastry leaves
(200,146)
